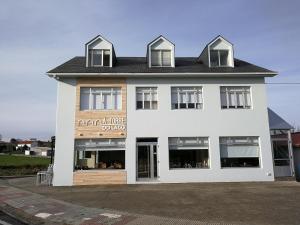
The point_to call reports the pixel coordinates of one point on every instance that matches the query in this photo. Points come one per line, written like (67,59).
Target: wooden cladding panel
(95,131)
(99,177)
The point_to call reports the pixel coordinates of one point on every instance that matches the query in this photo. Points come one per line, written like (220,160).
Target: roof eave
(186,74)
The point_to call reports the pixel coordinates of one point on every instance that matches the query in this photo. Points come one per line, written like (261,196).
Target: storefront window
(188,152)
(239,151)
(99,154)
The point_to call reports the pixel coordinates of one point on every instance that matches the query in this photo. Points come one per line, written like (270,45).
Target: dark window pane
(240,162)
(196,158)
(87,155)
(97,58)
(223,57)
(111,160)
(281,150)
(214,58)
(191,105)
(106,60)
(282,162)
(182,105)
(139,104)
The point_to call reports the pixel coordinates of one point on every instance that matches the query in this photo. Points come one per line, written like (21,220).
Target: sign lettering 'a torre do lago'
(105,124)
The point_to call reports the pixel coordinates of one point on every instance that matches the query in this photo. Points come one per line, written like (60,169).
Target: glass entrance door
(282,161)
(146,161)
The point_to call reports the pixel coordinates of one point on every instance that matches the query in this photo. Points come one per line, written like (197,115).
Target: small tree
(13,141)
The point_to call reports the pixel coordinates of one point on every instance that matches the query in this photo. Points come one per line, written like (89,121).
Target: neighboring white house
(161,118)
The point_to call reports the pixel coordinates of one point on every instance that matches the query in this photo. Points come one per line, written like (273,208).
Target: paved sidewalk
(42,210)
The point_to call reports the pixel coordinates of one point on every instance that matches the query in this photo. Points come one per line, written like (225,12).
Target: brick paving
(51,211)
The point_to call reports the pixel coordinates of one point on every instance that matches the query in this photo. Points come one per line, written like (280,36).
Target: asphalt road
(8,220)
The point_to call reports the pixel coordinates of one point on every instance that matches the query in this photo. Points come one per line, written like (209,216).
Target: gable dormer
(161,53)
(99,52)
(218,53)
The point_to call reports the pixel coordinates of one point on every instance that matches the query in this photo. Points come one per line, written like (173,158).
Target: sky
(37,36)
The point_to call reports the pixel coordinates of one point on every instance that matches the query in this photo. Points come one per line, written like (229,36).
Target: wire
(285,83)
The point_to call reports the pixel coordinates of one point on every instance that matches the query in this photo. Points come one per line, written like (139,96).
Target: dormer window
(99,57)
(99,53)
(218,53)
(218,58)
(160,53)
(161,57)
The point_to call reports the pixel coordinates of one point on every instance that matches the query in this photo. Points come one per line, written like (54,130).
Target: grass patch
(13,160)
(21,165)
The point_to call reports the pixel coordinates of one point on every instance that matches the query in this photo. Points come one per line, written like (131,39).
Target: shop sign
(105,124)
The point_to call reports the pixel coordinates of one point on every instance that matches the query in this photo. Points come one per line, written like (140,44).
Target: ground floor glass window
(239,152)
(188,152)
(99,154)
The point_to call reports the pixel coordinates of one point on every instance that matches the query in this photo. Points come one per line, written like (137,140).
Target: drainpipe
(291,154)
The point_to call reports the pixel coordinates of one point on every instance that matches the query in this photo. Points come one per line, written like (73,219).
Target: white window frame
(198,90)
(102,57)
(229,89)
(190,143)
(91,100)
(219,57)
(151,91)
(247,141)
(161,57)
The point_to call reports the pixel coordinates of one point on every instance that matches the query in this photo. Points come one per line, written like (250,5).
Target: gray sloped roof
(276,122)
(139,65)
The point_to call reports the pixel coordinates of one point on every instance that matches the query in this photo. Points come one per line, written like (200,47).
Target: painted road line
(110,215)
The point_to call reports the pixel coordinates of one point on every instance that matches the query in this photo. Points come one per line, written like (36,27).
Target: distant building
(35,147)
(29,144)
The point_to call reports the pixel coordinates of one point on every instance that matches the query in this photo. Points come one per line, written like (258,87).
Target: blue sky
(39,35)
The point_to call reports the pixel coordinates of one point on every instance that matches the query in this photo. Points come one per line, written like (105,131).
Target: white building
(161,118)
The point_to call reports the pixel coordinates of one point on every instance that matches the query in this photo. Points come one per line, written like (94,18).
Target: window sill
(236,108)
(241,167)
(101,110)
(98,66)
(204,168)
(188,109)
(99,170)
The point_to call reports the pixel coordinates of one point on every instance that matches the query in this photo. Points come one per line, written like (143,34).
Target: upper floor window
(218,58)
(161,57)
(235,97)
(100,98)
(186,98)
(99,57)
(146,98)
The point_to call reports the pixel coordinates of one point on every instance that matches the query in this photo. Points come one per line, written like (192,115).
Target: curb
(17,176)
(20,215)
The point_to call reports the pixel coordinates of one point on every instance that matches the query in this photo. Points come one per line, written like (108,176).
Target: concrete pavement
(37,209)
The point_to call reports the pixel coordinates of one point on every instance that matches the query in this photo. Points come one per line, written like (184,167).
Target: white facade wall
(65,122)
(211,121)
